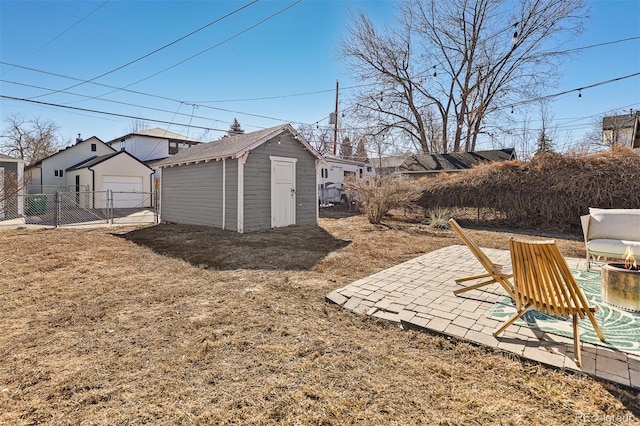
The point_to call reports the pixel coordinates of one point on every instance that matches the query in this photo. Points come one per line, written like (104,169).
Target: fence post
(56,209)
(110,206)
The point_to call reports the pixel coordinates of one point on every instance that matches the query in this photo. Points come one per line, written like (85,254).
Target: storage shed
(249,182)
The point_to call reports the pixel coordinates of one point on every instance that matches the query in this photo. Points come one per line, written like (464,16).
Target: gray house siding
(196,194)
(257,182)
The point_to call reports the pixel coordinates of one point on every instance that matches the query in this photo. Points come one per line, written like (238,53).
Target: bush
(376,198)
(551,190)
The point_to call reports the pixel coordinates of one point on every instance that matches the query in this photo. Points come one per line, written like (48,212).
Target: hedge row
(551,190)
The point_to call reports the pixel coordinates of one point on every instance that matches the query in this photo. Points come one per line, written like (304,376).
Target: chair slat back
(543,278)
(477,252)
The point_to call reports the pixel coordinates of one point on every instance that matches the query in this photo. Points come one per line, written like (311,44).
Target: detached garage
(248,182)
(128,178)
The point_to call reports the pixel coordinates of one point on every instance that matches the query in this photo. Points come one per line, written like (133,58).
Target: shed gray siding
(232,195)
(195,194)
(257,183)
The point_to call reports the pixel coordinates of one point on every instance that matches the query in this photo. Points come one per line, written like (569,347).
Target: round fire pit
(621,287)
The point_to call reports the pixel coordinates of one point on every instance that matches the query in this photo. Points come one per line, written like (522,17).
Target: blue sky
(290,59)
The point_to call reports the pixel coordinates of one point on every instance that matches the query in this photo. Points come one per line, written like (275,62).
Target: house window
(94,147)
(173,148)
(122,145)
(368,169)
(324,173)
(58,173)
(360,173)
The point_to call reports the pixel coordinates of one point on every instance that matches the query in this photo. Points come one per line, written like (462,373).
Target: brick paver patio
(419,293)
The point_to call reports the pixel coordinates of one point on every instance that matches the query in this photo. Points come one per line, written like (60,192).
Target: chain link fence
(78,208)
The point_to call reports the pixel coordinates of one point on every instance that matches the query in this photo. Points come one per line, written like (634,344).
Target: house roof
(10,159)
(330,159)
(156,132)
(92,161)
(64,149)
(232,147)
(394,161)
(624,121)
(455,161)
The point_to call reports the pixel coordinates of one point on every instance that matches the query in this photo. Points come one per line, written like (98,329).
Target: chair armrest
(584,220)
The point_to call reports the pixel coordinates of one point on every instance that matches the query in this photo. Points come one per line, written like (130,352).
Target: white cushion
(614,224)
(612,247)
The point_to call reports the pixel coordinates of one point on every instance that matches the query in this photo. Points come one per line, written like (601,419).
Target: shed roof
(455,161)
(232,147)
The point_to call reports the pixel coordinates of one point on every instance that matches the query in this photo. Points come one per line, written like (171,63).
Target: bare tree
(461,61)
(136,125)
(29,139)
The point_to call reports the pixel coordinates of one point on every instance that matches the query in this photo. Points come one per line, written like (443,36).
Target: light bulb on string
(579,93)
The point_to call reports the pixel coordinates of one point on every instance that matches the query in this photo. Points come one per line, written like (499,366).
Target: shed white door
(283,191)
(127,190)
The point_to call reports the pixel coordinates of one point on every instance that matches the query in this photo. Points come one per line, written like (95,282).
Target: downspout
(93,187)
(153,196)
(224,193)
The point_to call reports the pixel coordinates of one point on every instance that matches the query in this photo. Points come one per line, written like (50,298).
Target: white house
(332,174)
(48,175)
(152,144)
(93,166)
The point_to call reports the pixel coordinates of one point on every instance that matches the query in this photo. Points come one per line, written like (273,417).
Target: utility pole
(335,123)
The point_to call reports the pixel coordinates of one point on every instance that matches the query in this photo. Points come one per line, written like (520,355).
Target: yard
(188,325)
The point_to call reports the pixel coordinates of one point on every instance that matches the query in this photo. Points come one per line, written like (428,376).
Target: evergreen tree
(235,128)
(346,150)
(361,152)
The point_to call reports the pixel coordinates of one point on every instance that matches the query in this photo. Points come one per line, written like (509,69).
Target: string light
(579,93)
(435,74)
(515,33)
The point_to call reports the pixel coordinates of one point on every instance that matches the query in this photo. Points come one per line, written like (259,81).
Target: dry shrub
(376,198)
(551,190)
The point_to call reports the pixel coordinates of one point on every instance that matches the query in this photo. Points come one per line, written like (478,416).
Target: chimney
(79,138)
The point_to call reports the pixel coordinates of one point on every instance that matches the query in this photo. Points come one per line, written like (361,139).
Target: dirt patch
(104,326)
(290,248)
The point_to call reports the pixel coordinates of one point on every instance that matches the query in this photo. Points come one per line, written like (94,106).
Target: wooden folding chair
(544,282)
(494,270)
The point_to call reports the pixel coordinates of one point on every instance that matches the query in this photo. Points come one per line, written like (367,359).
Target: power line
(153,52)
(105,113)
(142,93)
(210,48)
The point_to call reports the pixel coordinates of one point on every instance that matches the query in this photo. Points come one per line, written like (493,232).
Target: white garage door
(127,190)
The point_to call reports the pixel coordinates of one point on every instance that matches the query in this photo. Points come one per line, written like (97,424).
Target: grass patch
(189,325)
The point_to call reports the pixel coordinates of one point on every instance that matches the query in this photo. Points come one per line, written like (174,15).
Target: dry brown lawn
(188,325)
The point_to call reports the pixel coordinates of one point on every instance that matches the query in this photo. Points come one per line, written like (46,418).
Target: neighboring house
(48,174)
(12,188)
(388,165)
(129,179)
(332,174)
(244,183)
(91,166)
(622,130)
(152,144)
(419,165)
